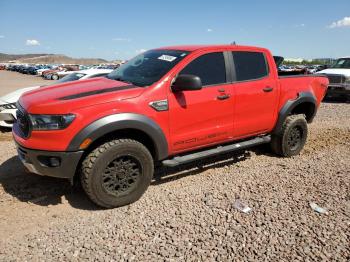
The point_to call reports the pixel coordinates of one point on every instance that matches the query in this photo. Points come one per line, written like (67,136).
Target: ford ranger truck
(339,79)
(167,106)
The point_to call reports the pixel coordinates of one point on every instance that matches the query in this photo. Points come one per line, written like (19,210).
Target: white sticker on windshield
(168,58)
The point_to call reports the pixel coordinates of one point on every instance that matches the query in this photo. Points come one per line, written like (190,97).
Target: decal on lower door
(199,139)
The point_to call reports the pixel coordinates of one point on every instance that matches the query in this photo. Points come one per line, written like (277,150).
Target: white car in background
(339,79)
(60,74)
(8,102)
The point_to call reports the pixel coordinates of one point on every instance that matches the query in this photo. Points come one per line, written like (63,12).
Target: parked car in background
(43,69)
(8,102)
(45,73)
(32,70)
(114,66)
(339,79)
(316,68)
(23,69)
(60,72)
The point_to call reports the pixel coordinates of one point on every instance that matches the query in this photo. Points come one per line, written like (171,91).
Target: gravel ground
(187,213)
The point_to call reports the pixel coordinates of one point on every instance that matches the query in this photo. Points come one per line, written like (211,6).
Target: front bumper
(49,163)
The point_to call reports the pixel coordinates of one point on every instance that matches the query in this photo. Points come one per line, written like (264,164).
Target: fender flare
(290,105)
(111,123)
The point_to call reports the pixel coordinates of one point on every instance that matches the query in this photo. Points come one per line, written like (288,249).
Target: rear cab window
(209,67)
(250,65)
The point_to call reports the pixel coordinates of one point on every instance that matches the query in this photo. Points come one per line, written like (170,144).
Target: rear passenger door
(202,117)
(256,94)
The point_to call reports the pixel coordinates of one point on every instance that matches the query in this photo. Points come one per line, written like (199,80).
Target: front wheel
(117,173)
(291,140)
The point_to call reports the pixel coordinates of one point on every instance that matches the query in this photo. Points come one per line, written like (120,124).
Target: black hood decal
(97,92)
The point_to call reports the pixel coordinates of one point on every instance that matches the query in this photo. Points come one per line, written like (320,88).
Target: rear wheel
(291,140)
(117,173)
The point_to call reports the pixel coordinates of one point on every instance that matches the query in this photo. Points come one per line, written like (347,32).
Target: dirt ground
(10,81)
(187,213)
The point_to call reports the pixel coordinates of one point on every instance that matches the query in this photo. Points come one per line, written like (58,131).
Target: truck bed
(293,84)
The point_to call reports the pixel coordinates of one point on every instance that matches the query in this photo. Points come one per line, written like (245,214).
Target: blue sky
(120,29)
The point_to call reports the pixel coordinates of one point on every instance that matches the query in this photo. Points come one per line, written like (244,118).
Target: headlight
(51,122)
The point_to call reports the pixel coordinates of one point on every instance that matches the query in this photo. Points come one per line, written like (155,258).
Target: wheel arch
(126,125)
(305,104)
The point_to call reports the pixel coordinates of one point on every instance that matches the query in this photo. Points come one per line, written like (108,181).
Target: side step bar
(215,151)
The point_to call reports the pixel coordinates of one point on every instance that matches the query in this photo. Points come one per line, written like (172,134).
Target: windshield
(147,68)
(71,77)
(342,63)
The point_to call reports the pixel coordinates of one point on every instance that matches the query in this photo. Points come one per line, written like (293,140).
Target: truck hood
(335,71)
(14,96)
(64,98)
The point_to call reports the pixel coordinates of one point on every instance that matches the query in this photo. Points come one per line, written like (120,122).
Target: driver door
(202,117)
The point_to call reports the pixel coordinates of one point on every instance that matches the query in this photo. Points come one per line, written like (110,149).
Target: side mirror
(186,83)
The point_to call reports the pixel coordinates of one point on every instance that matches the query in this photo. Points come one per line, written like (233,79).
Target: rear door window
(249,65)
(209,67)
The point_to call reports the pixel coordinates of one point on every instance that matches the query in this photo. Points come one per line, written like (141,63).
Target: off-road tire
(94,166)
(294,126)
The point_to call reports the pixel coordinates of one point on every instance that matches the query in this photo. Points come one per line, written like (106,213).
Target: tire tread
(277,140)
(89,162)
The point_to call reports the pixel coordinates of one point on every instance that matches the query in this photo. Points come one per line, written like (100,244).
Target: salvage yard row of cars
(311,69)
(53,72)
(338,75)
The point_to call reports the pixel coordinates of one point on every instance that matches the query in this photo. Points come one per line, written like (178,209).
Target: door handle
(223,97)
(268,89)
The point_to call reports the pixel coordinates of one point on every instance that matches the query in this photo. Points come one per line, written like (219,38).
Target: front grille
(336,79)
(23,122)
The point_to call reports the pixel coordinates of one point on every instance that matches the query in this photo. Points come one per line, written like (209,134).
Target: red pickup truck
(166,106)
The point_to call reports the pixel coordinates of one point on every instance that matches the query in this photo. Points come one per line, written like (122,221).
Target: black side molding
(116,122)
(303,97)
(216,151)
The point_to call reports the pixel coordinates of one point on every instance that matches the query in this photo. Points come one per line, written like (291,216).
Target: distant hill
(50,59)
(7,57)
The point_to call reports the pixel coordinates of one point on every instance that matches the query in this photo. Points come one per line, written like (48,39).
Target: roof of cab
(191,48)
